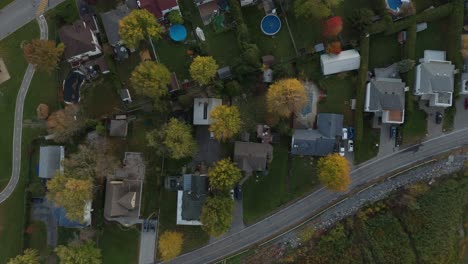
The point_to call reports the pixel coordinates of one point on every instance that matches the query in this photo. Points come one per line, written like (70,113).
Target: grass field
(38,238)
(384,50)
(119,245)
(4,3)
(263,194)
(339,89)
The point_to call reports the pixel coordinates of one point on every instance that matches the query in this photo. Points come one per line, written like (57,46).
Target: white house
(191,198)
(347,60)
(435,79)
(80,42)
(202,108)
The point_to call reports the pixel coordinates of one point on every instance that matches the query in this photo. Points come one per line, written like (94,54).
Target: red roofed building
(159,8)
(332,26)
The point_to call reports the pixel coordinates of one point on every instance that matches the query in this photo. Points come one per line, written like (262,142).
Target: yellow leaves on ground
(333,172)
(286,96)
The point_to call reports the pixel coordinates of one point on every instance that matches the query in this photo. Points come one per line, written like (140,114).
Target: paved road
(18,123)
(18,14)
(308,206)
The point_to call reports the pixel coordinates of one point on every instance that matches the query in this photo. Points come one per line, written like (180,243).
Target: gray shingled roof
(311,142)
(330,125)
(50,158)
(251,156)
(118,128)
(436,77)
(387,94)
(110,20)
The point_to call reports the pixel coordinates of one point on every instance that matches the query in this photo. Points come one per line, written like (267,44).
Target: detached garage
(347,60)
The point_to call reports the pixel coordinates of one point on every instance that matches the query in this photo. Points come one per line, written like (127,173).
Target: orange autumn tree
(333,172)
(332,27)
(334,48)
(286,97)
(43,54)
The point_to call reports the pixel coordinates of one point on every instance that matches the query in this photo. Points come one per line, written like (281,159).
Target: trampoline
(394,4)
(270,25)
(178,33)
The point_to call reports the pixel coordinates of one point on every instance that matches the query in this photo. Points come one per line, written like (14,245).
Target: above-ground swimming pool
(178,32)
(394,4)
(270,25)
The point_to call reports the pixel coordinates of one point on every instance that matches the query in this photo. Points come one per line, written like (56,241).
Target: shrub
(175,17)
(361,19)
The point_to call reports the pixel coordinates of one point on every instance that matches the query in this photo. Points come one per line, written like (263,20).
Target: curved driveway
(303,209)
(18,125)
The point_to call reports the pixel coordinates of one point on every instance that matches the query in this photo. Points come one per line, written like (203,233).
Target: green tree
(175,17)
(43,54)
(137,26)
(151,79)
(226,122)
(85,253)
(405,65)
(216,215)
(71,194)
(233,88)
(361,18)
(170,244)
(314,8)
(203,69)
(286,97)
(176,139)
(223,175)
(30,256)
(333,172)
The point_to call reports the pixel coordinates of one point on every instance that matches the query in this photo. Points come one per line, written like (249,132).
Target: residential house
(50,161)
(110,21)
(347,60)
(321,141)
(251,157)
(386,98)
(159,8)
(202,108)
(435,79)
(191,198)
(208,9)
(72,85)
(80,42)
(123,191)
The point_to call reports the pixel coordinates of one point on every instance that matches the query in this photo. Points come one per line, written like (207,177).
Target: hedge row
(410,53)
(361,87)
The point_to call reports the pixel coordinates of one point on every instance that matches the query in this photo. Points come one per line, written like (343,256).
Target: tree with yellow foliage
(170,245)
(203,69)
(216,215)
(150,79)
(333,172)
(30,256)
(225,122)
(286,97)
(223,175)
(137,26)
(71,194)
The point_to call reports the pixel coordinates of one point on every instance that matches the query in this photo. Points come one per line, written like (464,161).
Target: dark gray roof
(224,73)
(50,158)
(389,72)
(386,94)
(110,20)
(251,157)
(330,125)
(194,196)
(118,128)
(436,77)
(311,142)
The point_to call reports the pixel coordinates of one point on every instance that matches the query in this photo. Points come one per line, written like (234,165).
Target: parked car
(350,145)
(351,133)
(466,103)
(438,118)
(399,138)
(342,150)
(238,192)
(231,192)
(393,131)
(345,133)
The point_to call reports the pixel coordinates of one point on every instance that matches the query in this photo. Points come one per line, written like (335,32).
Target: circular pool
(178,32)
(270,25)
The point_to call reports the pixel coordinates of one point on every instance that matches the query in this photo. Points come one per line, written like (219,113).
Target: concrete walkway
(18,119)
(148,239)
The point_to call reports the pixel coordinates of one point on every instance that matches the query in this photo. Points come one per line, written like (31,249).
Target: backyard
(119,244)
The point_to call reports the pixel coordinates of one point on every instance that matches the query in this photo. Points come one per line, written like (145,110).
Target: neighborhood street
(18,125)
(310,205)
(18,14)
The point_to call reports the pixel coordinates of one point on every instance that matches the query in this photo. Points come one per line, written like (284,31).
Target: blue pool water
(178,32)
(394,4)
(270,25)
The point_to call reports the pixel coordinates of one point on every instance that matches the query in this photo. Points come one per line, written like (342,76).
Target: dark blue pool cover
(270,25)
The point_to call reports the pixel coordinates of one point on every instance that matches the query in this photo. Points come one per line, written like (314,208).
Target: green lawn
(100,98)
(339,89)
(4,3)
(174,56)
(433,38)
(384,50)
(38,238)
(194,236)
(415,126)
(279,46)
(366,149)
(257,191)
(119,245)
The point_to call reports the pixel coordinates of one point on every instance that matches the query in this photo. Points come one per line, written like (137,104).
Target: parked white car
(342,151)
(345,133)
(231,192)
(350,145)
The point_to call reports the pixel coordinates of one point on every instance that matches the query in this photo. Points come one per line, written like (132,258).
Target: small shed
(347,60)
(268,60)
(421,26)
(118,128)
(224,73)
(50,161)
(125,95)
(268,76)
